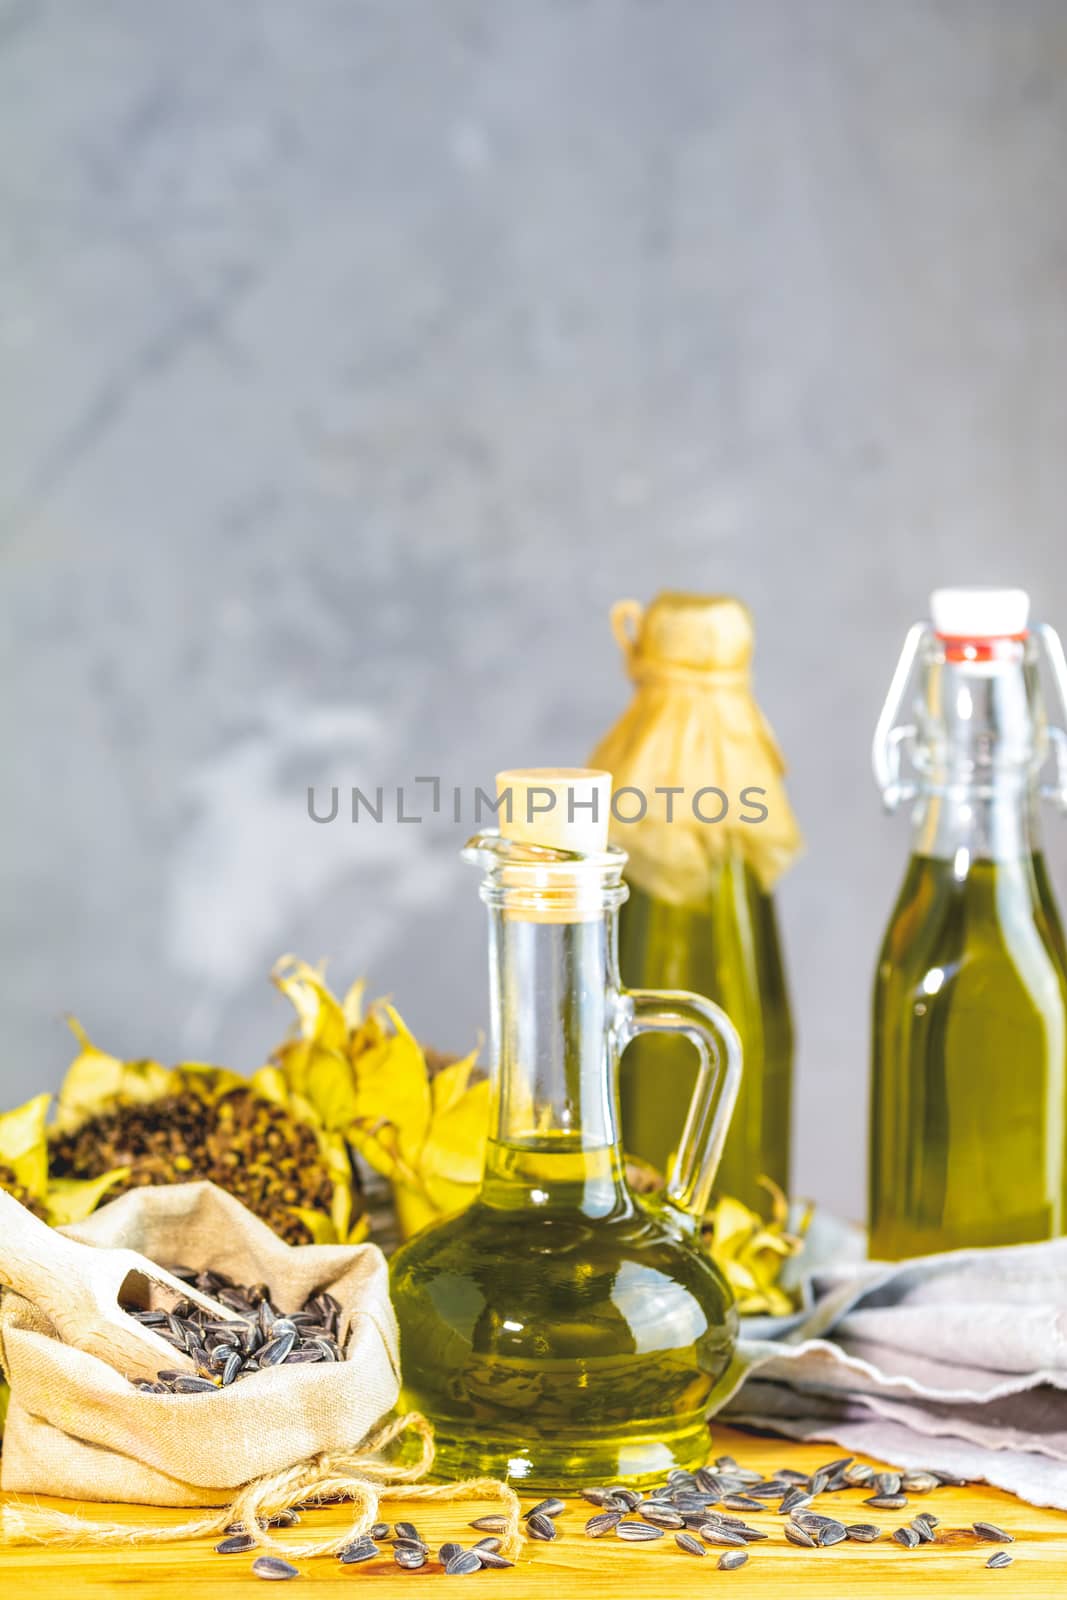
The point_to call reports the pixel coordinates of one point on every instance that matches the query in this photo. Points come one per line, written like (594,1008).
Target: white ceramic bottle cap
(979,613)
(566,808)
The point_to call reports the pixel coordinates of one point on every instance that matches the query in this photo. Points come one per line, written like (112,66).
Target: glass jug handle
(718,1048)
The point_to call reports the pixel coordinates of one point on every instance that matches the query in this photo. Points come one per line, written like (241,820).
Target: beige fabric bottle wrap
(694,724)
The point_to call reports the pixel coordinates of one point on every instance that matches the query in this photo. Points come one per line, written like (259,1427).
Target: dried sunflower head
(173,1125)
(421,1124)
(749,1250)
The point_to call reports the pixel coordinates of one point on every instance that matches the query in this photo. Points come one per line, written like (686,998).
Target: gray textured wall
(358,353)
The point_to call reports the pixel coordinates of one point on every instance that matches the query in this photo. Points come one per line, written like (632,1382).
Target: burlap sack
(76,1427)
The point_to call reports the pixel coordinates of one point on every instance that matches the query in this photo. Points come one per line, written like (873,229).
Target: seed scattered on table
(992,1534)
(798,1535)
(238,1545)
(447,1551)
(1001,1559)
(637,1532)
(547,1508)
(538,1526)
(360,1550)
(274,1567)
(692,1546)
(887,1502)
(731,1559)
(907,1537)
(410,1556)
(493,1524)
(602,1523)
(863,1532)
(464,1564)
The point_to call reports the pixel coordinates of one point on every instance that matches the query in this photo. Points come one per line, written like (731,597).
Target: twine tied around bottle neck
(352,1475)
(644,669)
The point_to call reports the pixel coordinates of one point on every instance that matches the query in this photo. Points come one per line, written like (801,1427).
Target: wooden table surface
(601,1569)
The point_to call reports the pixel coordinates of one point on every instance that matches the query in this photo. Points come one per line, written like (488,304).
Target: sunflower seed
(712,1533)
(769,1489)
(1001,1559)
(992,1534)
(662,1516)
(538,1526)
(603,1523)
(863,1532)
(408,1530)
(731,1559)
(493,1524)
(858,1474)
(492,1558)
(919,1482)
(359,1550)
(380,1530)
(907,1537)
(706,1481)
(277,1351)
(832,1533)
(630,1498)
(752,1535)
(546,1508)
(637,1532)
(237,1545)
(791,1475)
(464,1564)
(924,1527)
(794,1501)
(726,1463)
(409,1556)
(742,1502)
(233,1365)
(798,1535)
(272,1567)
(447,1551)
(693,1547)
(185,1383)
(491,1543)
(598,1497)
(887,1502)
(289,1519)
(888,1482)
(818,1482)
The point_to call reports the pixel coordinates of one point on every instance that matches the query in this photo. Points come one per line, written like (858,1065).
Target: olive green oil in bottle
(563,1331)
(968,1116)
(701,913)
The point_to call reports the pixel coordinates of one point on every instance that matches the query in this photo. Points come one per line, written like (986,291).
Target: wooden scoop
(79,1287)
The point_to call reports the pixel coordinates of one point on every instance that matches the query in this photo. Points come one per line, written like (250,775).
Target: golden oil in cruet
(701,913)
(968,1113)
(562,1331)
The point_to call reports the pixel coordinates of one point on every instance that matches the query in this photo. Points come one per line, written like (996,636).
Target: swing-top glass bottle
(968,1117)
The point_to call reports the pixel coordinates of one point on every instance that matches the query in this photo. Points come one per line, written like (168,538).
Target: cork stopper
(565,808)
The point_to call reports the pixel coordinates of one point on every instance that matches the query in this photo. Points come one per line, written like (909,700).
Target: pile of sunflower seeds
(260,1336)
(686,1504)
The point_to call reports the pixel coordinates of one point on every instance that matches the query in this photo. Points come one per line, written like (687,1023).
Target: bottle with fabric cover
(702,870)
(968,1110)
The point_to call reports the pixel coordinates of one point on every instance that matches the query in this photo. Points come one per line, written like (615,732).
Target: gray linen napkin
(955,1361)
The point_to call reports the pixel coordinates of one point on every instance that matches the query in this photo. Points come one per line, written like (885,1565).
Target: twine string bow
(358,1476)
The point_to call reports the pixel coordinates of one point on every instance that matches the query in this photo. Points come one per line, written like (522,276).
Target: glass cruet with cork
(968,1111)
(702,872)
(562,1330)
